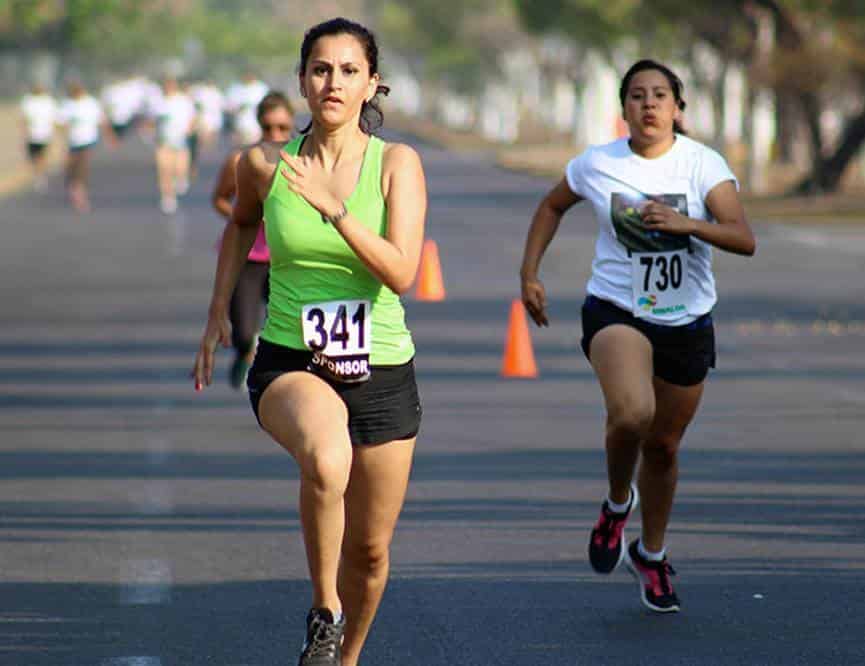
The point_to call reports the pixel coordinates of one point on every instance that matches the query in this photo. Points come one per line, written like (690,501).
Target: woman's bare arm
(545,223)
(226,186)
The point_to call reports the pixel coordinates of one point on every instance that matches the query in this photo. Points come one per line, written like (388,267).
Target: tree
(458,41)
(125,33)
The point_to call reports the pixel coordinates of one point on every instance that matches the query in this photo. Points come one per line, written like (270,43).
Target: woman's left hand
(308,182)
(660,217)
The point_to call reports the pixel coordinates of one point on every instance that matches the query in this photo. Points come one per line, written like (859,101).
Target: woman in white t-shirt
(39,116)
(175,115)
(662,200)
(84,120)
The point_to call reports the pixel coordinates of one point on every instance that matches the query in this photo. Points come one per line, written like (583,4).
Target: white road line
(848,395)
(132,661)
(155,498)
(158,451)
(152,582)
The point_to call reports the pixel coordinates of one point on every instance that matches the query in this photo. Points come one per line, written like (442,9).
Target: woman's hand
(535,300)
(660,217)
(218,330)
(308,182)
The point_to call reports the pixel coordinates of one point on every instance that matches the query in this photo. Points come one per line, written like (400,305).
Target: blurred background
(777,85)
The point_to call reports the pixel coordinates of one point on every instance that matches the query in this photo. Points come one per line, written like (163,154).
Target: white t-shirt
(40,114)
(83,117)
(174,116)
(616,181)
(121,102)
(210,102)
(243,101)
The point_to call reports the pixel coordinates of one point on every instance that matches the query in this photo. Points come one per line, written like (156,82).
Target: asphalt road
(142,524)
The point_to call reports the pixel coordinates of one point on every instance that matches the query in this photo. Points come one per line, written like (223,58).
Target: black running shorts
(384,408)
(682,355)
(34,150)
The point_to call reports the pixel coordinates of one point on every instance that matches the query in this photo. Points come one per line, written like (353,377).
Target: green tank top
(310,262)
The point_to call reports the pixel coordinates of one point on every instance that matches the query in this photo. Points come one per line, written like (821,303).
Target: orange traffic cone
(519,360)
(430,286)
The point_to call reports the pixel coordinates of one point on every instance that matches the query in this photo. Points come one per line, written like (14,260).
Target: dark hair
(371,116)
(675,82)
(273,100)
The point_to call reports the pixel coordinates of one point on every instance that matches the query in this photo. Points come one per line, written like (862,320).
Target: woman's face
(650,106)
(337,80)
(276,125)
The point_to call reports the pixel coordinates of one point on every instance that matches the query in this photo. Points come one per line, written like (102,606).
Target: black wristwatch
(338,217)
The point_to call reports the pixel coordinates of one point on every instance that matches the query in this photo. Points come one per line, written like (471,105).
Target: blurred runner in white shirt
(209,102)
(38,117)
(174,114)
(121,103)
(83,117)
(243,99)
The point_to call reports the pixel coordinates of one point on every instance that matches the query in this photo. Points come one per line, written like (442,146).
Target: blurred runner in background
(174,115)
(241,101)
(39,117)
(82,116)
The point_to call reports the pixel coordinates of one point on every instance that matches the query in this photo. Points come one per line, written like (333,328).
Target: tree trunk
(827,173)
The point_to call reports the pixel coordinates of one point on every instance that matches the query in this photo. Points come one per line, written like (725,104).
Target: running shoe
(656,590)
(168,205)
(237,373)
(607,542)
(323,644)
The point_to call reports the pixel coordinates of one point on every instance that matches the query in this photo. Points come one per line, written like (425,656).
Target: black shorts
(120,130)
(34,150)
(81,149)
(681,355)
(384,408)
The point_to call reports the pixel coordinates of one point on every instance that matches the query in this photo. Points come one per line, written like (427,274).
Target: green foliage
(127,31)
(451,40)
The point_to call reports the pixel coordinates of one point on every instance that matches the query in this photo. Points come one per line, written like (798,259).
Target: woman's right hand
(535,300)
(218,330)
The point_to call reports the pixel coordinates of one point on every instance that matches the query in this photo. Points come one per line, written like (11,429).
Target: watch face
(626,213)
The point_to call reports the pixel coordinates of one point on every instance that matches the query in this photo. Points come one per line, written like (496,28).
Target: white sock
(646,554)
(620,508)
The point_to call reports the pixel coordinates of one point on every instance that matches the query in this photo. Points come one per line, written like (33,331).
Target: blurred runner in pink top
(276,119)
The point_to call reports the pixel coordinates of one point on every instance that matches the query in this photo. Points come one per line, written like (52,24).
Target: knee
(631,421)
(369,558)
(662,450)
(327,468)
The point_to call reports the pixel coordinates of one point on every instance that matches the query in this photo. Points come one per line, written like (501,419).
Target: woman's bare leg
(659,469)
(622,359)
(310,421)
(376,491)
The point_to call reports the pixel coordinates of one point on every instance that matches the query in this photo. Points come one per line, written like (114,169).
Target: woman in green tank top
(333,378)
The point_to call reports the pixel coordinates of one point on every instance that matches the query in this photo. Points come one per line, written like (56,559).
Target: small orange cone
(430,286)
(519,360)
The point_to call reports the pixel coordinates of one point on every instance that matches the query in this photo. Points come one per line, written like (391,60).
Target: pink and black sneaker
(656,590)
(607,543)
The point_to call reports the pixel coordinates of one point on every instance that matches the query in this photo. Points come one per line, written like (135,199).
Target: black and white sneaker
(323,644)
(607,541)
(656,590)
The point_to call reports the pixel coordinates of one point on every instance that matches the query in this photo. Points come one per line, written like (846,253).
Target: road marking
(158,451)
(155,498)
(852,396)
(133,661)
(152,583)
